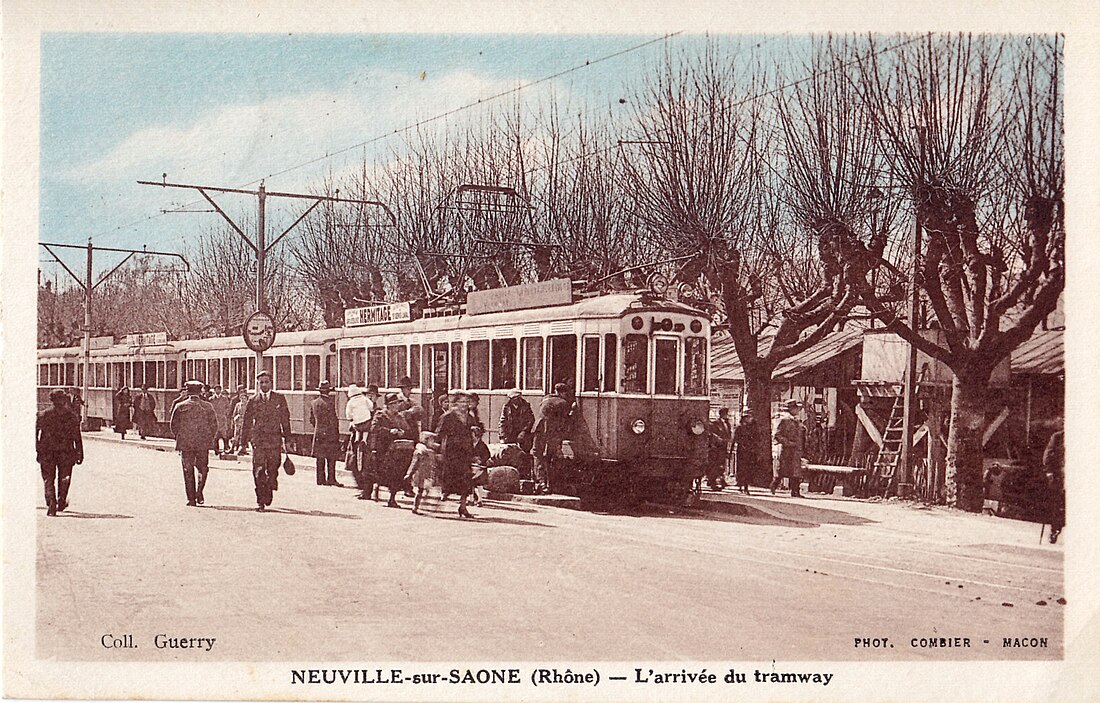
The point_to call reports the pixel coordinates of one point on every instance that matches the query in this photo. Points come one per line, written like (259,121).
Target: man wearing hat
(194,425)
(266,425)
(388,425)
(359,411)
(551,428)
(404,393)
(790,435)
(58,446)
(326,434)
(516,420)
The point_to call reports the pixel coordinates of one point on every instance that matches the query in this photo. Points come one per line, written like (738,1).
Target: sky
(230,109)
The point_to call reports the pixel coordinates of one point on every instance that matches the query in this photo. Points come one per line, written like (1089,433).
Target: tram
(635,363)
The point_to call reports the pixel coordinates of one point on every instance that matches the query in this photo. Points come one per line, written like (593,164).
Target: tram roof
(282,339)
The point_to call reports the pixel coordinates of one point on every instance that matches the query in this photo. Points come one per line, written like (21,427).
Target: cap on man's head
(392,398)
(560,388)
(58,394)
(405,382)
(792,403)
(263,374)
(514,393)
(372,389)
(324,386)
(193,387)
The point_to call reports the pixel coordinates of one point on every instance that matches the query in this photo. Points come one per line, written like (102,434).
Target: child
(480,463)
(423,466)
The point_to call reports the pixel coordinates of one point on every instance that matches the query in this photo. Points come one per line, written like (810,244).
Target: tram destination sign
(146,339)
(377,314)
(558,291)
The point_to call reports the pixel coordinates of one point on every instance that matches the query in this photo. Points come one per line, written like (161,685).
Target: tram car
(635,364)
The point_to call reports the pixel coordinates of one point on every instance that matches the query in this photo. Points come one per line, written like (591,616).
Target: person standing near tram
(551,428)
(145,411)
(122,411)
(326,434)
(790,436)
(194,424)
(359,411)
(456,439)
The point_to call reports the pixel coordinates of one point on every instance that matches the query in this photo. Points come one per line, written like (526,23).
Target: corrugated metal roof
(1043,353)
(725,366)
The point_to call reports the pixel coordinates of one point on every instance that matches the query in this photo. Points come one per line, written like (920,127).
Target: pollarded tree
(973,127)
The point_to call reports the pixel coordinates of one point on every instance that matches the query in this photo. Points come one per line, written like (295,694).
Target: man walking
(145,411)
(326,434)
(220,401)
(266,424)
(718,451)
(789,435)
(551,428)
(58,446)
(194,425)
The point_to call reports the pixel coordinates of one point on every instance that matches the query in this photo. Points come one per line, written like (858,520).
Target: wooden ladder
(889,454)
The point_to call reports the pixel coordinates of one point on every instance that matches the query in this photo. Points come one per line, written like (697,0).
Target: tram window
(79,375)
(351,366)
(395,365)
(225,374)
(376,366)
(664,367)
(170,379)
(296,372)
(282,373)
(201,370)
(504,363)
(563,360)
(532,363)
(160,374)
(695,366)
(456,364)
(150,375)
(251,375)
(214,372)
(635,355)
(313,371)
(477,364)
(610,362)
(414,364)
(43,374)
(269,364)
(117,374)
(590,379)
(101,375)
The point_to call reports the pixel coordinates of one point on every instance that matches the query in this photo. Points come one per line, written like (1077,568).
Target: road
(324,577)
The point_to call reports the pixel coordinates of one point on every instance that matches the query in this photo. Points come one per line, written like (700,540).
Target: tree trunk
(758,380)
(969,398)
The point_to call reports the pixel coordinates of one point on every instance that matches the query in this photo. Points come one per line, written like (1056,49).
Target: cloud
(238,143)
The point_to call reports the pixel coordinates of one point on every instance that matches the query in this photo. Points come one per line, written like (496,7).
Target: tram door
(435,366)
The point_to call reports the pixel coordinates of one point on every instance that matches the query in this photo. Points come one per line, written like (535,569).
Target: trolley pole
(88,287)
(261,254)
(87,338)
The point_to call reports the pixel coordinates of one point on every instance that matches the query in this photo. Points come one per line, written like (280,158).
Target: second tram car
(635,364)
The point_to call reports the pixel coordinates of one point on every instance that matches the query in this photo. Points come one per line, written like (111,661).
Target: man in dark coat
(748,440)
(551,428)
(456,439)
(145,411)
(719,433)
(194,425)
(516,421)
(58,446)
(266,425)
(326,435)
(1054,464)
(790,436)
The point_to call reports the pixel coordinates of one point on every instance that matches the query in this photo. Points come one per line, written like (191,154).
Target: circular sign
(259,331)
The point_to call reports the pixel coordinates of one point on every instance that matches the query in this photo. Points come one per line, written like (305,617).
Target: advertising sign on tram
(558,291)
(146,339)
(377,314)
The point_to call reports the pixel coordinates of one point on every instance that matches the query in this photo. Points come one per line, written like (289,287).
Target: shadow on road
(283,511)
(94,516)
(497,505)
(485,519)
(772,513)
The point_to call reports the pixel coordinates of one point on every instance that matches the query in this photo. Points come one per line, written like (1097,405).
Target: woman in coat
(122,411)
(790,436)
(456,438)
(387,427)
(748,440)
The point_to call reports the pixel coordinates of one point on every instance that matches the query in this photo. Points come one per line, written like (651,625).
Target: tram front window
(695,366)
(635,358)
(664,367)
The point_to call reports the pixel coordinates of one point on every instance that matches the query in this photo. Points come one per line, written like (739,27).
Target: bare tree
(973,127)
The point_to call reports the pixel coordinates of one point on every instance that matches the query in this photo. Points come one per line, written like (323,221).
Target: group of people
(746,443)
(138,410)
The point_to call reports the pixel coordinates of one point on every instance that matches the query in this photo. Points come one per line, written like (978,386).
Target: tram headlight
(638,426)
(697,427)
(696,326)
